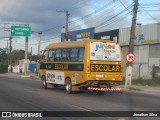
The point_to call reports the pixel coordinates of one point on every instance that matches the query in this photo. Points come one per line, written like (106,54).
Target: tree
(3,55)
(3,61)
(17,55)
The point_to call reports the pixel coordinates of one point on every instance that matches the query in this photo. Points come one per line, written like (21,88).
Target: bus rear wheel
(44,83)
(68,85)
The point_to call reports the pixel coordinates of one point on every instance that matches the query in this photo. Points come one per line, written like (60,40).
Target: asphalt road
(28,95)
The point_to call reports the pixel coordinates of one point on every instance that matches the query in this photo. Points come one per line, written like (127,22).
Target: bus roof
(70,44)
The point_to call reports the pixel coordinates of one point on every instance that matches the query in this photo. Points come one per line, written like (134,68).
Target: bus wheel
(44,82)
(68,86)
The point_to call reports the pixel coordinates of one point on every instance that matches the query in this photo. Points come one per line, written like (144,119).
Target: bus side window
(51,55)
(74,54)
(81,54)
(65,55)
(58,55)
(45,55)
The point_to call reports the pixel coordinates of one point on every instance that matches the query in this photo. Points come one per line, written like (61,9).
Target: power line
(150,15)
(87,16)
(96,11)
(103,23)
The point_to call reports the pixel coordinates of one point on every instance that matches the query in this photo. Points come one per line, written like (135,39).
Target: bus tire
(44,85)
(68,86)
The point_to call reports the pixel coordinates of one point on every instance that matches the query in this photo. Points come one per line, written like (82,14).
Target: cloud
(42,15)
(41,12)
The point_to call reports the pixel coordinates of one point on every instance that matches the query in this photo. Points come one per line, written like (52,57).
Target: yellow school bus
(81,65)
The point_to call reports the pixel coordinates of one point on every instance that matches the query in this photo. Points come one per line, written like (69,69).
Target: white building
(22,65)
(146,49)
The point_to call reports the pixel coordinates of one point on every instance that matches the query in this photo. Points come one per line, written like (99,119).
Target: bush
(150,82)
(3,67)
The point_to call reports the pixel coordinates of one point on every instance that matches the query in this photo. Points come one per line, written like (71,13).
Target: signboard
(130,57)
(105,51)
(55,77)
(108,35)
(78,35)
(21,31)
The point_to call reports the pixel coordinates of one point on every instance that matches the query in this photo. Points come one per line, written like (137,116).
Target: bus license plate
(99,75)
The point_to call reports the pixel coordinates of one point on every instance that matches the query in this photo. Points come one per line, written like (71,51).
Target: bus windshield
(105,51)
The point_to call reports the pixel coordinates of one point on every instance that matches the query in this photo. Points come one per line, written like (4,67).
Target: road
(28,95)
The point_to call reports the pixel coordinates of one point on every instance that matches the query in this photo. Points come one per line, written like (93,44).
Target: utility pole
(10,55)
(7,47)
(131,45)
(67,16)
(26,55)
(31,51)
(39,42)
(7,52)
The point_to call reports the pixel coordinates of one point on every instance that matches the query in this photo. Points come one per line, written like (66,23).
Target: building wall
(22,64)
(108,35)
(151,34)
(146,57)
(124,35)
(154,56)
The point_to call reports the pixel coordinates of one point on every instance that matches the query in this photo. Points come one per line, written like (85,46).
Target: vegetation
(3,67)
(150,82)
(140,81)
(16,55)
(3,61)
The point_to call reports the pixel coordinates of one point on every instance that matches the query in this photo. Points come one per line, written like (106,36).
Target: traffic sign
(130,57)
(21,31)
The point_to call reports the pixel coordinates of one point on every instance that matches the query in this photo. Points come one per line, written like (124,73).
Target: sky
(41,15)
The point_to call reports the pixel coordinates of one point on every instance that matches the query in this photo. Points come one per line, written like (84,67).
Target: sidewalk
(152,90)
(20,75)
(135,88)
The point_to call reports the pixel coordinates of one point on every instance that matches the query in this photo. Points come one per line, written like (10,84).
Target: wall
(15,69)
(22,64)
(151,34)
(146,57)
(78,35)
(108,35)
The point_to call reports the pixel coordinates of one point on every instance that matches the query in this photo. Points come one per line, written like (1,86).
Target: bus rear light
(93,62)
(88,68)
(121,68)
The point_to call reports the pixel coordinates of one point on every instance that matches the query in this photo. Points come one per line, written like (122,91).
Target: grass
(35,78)
(144,82)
